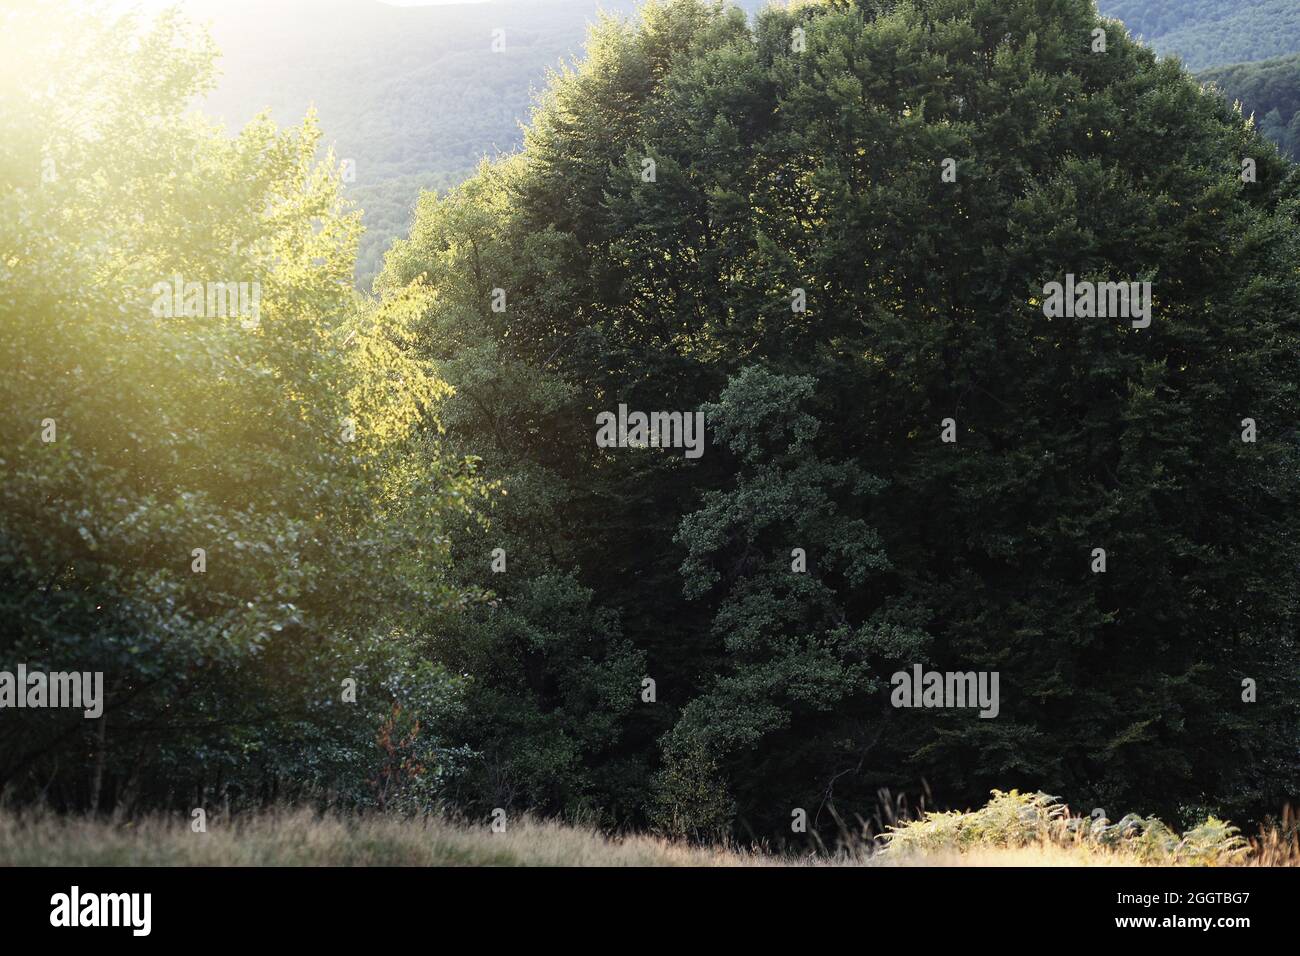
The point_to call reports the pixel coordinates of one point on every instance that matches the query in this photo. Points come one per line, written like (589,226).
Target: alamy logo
(103,909)
(1098,300)
(210,300)
(948,689)
(38,689)
(657,430)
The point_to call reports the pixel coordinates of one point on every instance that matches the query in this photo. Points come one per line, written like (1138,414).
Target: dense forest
(414,98)
(373,551)
(1270,92)
(1205,33)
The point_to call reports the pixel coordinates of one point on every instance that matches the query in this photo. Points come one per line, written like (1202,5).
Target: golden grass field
(300,837)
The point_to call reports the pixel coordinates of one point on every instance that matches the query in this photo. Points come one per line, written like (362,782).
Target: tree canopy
(1208,33)
(226,504)
(679,191)
(384,551)
(1269,91)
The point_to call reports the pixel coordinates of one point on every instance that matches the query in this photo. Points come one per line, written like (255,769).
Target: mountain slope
(1207,33)
(1271,91)
(415,96)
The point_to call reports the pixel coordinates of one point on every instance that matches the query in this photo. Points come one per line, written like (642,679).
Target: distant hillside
(1207,33)
(1271,91)
(415,96)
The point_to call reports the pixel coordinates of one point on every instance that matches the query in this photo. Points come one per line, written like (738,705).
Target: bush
(1014,819)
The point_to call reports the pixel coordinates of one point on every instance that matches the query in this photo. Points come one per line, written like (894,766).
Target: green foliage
(820,171)
(1269,91)
(826,538)
(324,557)
(554,680)
(1017,819)
(1008,820)
(798,653)
(1205,33)
(690,797)
(413,96)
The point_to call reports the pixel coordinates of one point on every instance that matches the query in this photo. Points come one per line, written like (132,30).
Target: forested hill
(415,96)
(667,448)
(1271,91)
(1206,33)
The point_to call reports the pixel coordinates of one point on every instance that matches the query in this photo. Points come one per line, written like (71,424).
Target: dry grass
(1279,844)
(305,838)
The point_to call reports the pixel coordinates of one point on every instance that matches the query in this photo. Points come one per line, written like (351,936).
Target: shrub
(1015,819)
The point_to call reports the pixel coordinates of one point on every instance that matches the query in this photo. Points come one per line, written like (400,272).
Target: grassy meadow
(1012,830)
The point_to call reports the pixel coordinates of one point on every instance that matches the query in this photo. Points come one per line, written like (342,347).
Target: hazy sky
(203,8)
(160,4)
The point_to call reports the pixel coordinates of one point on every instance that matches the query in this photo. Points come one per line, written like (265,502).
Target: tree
(711,215)
(223,485)
(807,641)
